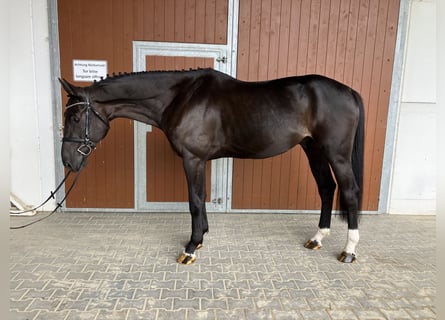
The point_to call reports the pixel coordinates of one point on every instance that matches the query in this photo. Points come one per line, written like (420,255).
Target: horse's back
(234,118)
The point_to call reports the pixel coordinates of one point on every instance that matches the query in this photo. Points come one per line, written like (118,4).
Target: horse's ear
(68,87)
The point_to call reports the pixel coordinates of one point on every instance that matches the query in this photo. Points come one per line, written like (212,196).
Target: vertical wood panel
(159,8)
(314,18)
(322,42)
(374,96)
(283,33)
(294,26)
(331,43)
(388,36)
(189,30)
(221,14)
(200,23)
(104,30)
(210,21)
(351,41)
(342,33)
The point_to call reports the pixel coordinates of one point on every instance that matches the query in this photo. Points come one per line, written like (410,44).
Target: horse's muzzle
(73,161)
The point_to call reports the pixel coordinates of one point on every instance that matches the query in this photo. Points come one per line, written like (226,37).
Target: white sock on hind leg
(353,239)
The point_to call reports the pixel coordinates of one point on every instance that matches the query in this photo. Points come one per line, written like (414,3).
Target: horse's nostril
(67,165)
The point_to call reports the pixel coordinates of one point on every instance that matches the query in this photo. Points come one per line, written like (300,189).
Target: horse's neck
(143,98)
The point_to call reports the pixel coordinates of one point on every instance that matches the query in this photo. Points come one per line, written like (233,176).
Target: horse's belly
(260,147)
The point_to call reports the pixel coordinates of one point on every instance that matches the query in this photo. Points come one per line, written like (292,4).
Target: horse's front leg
(195,173)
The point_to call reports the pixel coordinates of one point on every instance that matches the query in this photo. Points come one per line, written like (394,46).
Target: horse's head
(85,125)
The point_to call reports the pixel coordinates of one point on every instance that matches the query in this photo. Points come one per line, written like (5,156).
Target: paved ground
(252,266)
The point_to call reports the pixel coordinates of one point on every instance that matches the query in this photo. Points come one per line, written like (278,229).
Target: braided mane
(122,75)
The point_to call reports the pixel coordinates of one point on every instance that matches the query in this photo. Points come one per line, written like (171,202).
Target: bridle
(87,145)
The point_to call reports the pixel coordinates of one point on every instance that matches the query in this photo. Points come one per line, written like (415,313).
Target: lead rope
(52,196)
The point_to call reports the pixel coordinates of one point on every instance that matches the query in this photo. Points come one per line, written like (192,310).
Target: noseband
(87,145)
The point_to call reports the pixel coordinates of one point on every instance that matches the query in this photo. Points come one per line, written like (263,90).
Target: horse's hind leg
(349,203)
(326,187)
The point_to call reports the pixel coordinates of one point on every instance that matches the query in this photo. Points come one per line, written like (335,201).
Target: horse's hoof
(186,258)
(312,244)
(347,257)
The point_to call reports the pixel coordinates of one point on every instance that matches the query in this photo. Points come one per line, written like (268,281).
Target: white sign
(89,70)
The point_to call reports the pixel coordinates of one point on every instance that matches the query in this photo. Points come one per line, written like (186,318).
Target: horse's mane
(123,75)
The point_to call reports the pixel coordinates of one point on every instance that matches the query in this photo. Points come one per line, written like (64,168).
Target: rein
(52,196)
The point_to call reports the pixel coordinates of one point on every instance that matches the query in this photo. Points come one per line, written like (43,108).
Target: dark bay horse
(206,114)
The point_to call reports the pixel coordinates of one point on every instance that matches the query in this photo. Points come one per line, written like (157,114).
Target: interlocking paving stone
(79,305)
(25,315)
(140,315)
(82,315)
(48,315)
(103,266)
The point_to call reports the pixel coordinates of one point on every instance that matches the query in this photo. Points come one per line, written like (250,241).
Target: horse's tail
(357,157)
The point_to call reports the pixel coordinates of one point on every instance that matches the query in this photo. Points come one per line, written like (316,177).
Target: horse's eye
(76,118)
